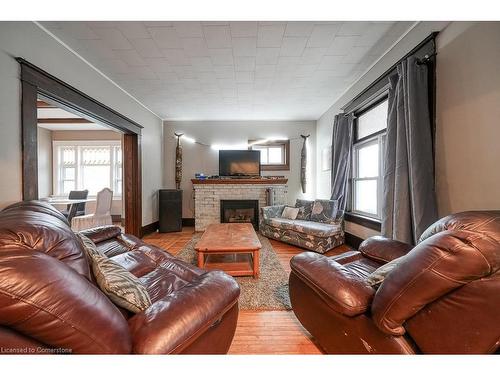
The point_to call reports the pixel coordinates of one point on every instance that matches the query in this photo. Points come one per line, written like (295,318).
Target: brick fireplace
(208,195)
(240,211)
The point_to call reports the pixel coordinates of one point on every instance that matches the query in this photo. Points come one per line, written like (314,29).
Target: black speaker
(170,210)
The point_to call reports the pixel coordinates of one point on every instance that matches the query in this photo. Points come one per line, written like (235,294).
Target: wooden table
(231,247)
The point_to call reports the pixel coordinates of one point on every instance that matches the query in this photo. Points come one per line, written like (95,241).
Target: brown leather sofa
(444,297)
(49,302)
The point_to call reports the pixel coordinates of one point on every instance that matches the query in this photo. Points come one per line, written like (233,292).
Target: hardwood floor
(258,332)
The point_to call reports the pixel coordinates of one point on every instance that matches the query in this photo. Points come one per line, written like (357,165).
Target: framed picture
(326,158)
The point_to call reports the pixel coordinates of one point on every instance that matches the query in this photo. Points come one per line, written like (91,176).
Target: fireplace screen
(240,211)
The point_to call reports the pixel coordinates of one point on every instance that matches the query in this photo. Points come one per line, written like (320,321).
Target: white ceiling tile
(158,23)
(244,63)
(305,70)
(78,30)
(170,68)
(330,62)
(265,71)
(131,57)
(221,56)
(113,38)
(293,46)
(195,47)
(267,56)
(373,34)
(176,56)
(355,55)
(97,48)
(133,30)
(226,72)
(184,71)
(322,35)
(229,93)
(226,83)
(146,48)
(165,37)
(312,55)
(244,77)
(217,36)
(244,46)
(342,44)
(188,29)
(299,28)
(270,36)
(159,64)
(202,64)
(243,29)
(354,28)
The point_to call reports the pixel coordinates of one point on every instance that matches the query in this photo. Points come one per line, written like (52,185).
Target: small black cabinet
(170,215)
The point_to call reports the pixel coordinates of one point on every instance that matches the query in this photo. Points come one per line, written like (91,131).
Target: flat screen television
(241,163)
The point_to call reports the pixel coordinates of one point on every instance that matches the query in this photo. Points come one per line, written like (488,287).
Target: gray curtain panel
(342,139)
(409,201)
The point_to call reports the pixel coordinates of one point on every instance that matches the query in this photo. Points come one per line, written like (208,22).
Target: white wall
(44,162)
(468,117)
(198,158)
(25,39)
(325,122)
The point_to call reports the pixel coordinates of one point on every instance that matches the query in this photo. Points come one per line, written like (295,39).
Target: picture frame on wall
(326,159)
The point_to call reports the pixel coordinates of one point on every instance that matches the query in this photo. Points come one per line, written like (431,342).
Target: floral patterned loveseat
(318,227)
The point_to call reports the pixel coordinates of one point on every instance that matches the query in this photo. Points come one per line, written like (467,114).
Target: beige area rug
(269,292)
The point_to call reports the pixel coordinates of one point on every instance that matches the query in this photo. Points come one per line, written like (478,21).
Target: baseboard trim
(352,240)
(188,222)
(150,228)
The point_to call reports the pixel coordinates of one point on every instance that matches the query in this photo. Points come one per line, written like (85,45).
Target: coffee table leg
(256,264)
(201,259)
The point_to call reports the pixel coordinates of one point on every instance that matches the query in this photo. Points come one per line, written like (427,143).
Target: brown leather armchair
(444,297)
(49,302)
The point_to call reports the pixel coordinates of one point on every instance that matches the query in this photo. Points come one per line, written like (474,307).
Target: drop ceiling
(232,70)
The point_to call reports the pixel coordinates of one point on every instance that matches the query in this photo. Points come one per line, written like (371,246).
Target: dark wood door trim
(35,81)
(132,182)
(29,139)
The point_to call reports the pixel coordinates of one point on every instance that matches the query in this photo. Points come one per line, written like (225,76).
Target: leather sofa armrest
(100,234)
(383,249)
(171,324)
(342,290)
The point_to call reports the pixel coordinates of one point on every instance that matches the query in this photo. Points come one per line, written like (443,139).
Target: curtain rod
(384,75)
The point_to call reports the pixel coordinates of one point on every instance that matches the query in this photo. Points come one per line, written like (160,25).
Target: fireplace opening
(240,211)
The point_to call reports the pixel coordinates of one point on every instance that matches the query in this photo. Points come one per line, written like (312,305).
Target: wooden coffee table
(230,247)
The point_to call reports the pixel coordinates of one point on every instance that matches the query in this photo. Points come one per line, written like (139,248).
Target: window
(274,155)
(91,165)
(368,161)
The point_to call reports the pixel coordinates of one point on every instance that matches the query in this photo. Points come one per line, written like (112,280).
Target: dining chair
(101,216)
(79,208)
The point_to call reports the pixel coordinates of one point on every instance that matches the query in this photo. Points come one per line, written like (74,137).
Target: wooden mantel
(241,181)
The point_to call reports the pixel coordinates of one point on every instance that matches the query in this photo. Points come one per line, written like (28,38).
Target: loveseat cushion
(324,211)
(281,223)
(316,229)
(305,209)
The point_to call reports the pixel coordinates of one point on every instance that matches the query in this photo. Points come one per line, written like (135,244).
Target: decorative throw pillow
(121,286)
(290,213)
(378,276)
(305,208)
(324,211)
(88,245)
